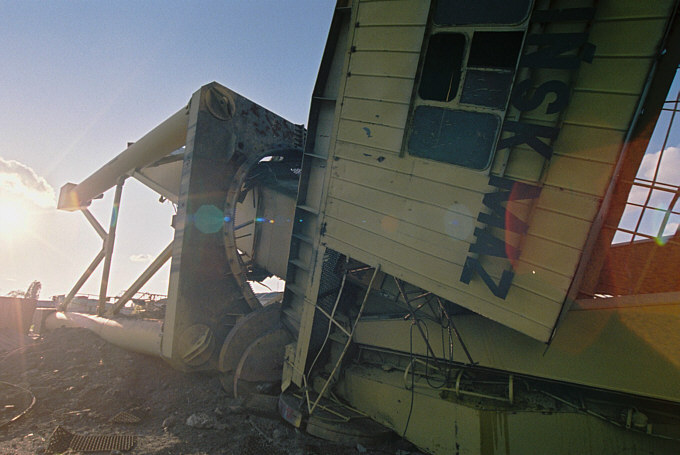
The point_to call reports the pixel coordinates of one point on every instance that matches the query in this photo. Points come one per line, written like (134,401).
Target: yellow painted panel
(429,169)
(602,109)
(541,281)
(379,88)
(402,39)
(606,74)
(397,64)
(525,164)
(379,136)
(587,349)
(551,256)
(528,304)
(384,248)
(441,220)
(626,38)
(587,177)
(622,75)
(370,111)
(425,240)
(393,12)
(563,229)
(595,144)
(455,198)
(322,136)
(577,205)
(515,320)
(625,9)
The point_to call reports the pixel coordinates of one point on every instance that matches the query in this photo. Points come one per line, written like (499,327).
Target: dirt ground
(80,382)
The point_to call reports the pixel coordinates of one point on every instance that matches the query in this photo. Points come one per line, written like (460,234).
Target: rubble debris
(70,371)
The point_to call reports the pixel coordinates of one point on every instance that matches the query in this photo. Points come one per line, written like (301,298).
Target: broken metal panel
(16,314)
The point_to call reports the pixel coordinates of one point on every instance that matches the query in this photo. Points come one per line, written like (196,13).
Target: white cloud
(141,257)
(18,181)
(668,171)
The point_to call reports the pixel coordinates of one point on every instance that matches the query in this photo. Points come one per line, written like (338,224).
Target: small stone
(277,434)
(200,420)
(267,388)
(170,422)
(361,449)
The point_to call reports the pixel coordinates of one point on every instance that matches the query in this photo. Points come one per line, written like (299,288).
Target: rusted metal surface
(641,267)
(16,314)
(227,137)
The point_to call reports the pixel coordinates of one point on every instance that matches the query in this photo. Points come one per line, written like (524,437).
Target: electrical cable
(413,376)
(25,411)
(423,333)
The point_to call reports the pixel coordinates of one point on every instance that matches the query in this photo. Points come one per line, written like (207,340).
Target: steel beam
(162,140)
(143,278)
(95,224)
(83,278)
(108,246)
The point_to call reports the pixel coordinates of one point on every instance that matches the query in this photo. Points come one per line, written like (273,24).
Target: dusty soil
(80,382)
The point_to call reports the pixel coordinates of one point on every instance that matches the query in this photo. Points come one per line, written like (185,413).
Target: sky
(80,79)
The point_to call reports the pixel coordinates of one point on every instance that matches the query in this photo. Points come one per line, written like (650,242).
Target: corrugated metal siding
(416,217)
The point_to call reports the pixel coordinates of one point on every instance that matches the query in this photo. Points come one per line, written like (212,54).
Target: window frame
(456,102)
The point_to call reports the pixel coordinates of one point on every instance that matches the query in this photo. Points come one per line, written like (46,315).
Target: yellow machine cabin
(459,193)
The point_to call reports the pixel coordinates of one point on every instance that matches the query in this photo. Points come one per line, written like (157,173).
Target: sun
(13,217)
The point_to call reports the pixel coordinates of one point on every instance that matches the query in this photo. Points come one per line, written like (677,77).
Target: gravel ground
(80,382)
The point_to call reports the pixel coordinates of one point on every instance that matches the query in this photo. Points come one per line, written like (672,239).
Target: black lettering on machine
(561,51)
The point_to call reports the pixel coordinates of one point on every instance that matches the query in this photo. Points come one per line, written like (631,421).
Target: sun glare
(13,217)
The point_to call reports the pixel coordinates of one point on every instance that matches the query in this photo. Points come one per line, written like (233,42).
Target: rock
(268,388)
(169,422)
(277,434)
(200,420)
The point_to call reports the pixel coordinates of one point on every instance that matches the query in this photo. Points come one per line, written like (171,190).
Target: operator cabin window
(462,95)
(475,12)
